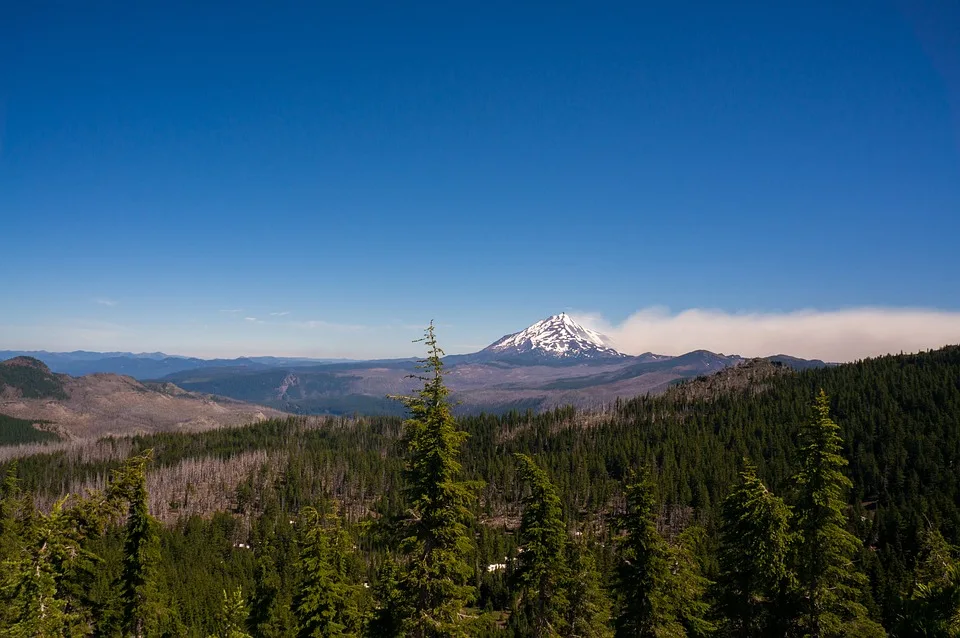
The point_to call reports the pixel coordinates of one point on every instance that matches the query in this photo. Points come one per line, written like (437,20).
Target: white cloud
(103,301)
(280,314)
(835,335)
(253,320)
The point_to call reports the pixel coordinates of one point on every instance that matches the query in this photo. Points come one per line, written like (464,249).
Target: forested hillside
(756,509)
(29,378)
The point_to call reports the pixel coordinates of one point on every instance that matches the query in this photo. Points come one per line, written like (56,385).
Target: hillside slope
(108,404)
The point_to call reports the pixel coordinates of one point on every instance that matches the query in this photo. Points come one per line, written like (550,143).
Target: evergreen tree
(13,514)
(437,541)
(37,606)
(541,570)
(829,582)
(645,607)
(932,608)
(587,614)
(271,613)
(326,603)
(141,552)
(687,587)
(390,607)
(754,544)
(232,620)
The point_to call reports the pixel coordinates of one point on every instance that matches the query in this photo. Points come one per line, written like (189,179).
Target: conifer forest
(823,502)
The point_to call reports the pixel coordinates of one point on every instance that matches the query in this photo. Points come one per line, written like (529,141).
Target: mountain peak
(557,337)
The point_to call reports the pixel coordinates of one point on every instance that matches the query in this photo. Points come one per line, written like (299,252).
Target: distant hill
(29,378)
(148,365)
(107,404)
(798,364)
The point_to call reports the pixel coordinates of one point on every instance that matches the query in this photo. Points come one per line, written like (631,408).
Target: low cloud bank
(839,335)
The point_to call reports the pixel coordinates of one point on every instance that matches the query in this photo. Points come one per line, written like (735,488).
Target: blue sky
(365,168)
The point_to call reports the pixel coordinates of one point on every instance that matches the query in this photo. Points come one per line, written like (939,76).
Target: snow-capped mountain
(557,337)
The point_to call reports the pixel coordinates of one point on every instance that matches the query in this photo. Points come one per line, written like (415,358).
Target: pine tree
(232,619)
(13,515)
(390,609)
(326,604)
(829,582)
(754,544)
(645,607)
(141,552)
(588,608)
(437,541)
(932,607)
(271,604)
(540,574)
(37,606)
(687,587)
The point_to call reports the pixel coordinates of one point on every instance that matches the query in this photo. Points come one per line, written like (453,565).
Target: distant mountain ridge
(147,365)
(553,362)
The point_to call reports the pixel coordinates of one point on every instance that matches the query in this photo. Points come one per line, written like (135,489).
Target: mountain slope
(30,378)
(151,365)
(107,404)
(551,363)
(556,337)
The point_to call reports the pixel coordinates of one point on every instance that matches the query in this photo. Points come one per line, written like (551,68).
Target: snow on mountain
(559,337)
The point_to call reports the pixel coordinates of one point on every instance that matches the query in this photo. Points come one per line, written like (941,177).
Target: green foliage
(754,543)
(232,620)
(33,381)
(276,559)
(34,580)
(138,588)
(16,431)
(541,570)
(587,613)
(389,614)
(437,542)
(830,584)
(896,420)
(932,607)
(642,578)
(326,603)
(687,587)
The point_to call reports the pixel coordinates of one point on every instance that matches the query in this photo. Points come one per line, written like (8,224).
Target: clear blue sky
(364,167)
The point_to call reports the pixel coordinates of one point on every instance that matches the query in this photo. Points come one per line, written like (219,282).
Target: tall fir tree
(687,587)
(437,540)
(753,555)
(931,609)
(141,553)
(232,619)
(37,605)
(326,603)
(644,602)
(587,614)
(14,515)
(271,604)
(390,607)
(829,583)
(541,571)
